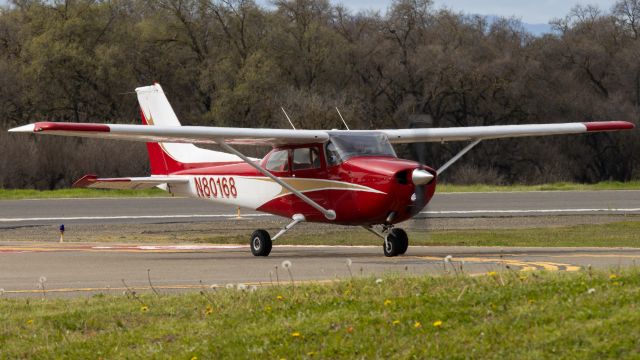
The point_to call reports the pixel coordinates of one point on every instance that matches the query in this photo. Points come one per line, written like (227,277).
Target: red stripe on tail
(161,163)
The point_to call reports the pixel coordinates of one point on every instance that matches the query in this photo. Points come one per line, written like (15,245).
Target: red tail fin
(166,158)
(161,163)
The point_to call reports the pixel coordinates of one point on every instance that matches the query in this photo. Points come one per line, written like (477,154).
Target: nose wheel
(396,242)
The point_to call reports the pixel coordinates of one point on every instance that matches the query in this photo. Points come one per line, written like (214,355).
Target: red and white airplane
(348,177)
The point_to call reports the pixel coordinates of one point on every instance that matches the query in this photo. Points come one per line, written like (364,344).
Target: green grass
(19,194)
(512,315)
(623,233)
(15,194)
(561,186)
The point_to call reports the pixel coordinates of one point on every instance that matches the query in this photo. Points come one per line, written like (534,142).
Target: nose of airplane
(421,177)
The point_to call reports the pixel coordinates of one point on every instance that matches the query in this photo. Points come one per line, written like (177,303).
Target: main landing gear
(396,241)
(261,243)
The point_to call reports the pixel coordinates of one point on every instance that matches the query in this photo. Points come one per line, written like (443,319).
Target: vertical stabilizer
(166,158)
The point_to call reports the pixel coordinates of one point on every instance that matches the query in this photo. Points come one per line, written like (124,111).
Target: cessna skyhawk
(347,177)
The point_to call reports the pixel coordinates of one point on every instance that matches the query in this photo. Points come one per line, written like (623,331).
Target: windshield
(344,146)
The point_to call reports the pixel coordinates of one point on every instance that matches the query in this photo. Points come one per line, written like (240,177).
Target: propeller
(420,177)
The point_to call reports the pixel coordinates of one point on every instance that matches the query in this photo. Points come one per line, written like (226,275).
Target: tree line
(235,63)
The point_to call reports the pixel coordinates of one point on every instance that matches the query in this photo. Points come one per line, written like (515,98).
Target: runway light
(61,232)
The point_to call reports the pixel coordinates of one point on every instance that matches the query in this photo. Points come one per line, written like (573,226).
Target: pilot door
(309,176)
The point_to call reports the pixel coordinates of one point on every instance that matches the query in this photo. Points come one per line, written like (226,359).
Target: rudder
(166,158)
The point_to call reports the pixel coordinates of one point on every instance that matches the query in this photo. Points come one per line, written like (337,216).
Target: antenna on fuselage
(288,118)
(341,118)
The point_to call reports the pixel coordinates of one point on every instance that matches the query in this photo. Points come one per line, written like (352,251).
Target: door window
(278,161)
(306,158)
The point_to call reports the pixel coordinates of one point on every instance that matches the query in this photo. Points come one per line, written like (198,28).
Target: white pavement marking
(219,247)
(123,217)
(231,216)
(533,211)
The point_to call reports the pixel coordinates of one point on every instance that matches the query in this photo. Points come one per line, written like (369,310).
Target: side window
(279,161)
(306,158)
(333,156)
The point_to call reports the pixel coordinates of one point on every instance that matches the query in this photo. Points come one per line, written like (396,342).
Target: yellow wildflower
(194,358)
(30,322)
(396,322)
(613,276)
(144,308)
(280,297)
(295,334)
(492,273)
(267,308)
(208,310)
(417,325)
(388,302)
(437,323)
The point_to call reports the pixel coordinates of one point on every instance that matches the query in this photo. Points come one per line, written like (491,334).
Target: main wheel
(260,243)
(396,243)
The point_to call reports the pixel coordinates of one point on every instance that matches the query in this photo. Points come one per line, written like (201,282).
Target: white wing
(400,136)
(209,135)
(178,134)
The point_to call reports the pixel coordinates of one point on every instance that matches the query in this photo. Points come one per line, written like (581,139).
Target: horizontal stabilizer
(131,183)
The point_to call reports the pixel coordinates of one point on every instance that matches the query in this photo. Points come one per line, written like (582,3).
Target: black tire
(403,239)
(396,243)
(260,243)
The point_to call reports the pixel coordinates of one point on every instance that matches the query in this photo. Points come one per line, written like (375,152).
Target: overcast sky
(530,11)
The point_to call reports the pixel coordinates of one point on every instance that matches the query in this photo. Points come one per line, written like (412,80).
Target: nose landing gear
(395,240)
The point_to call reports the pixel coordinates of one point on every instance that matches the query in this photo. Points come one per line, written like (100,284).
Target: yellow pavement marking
(637,256)
(523,265)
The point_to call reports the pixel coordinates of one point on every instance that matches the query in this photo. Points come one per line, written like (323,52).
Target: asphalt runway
(167,210)
(84,269)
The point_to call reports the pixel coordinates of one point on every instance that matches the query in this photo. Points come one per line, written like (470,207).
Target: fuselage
(363,189)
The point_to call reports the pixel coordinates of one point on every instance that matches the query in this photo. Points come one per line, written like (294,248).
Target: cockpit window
(344,146)
(333,156)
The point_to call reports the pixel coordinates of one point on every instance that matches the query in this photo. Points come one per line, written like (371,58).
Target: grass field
(624,233)
(19,194)
(16,194)
(561,186)
(520,315)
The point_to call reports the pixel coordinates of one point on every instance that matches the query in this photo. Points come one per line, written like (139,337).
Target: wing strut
(329,214)
(458,156)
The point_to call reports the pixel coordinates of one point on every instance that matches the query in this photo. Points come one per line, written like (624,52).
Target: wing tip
(608,125)
(29,128)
